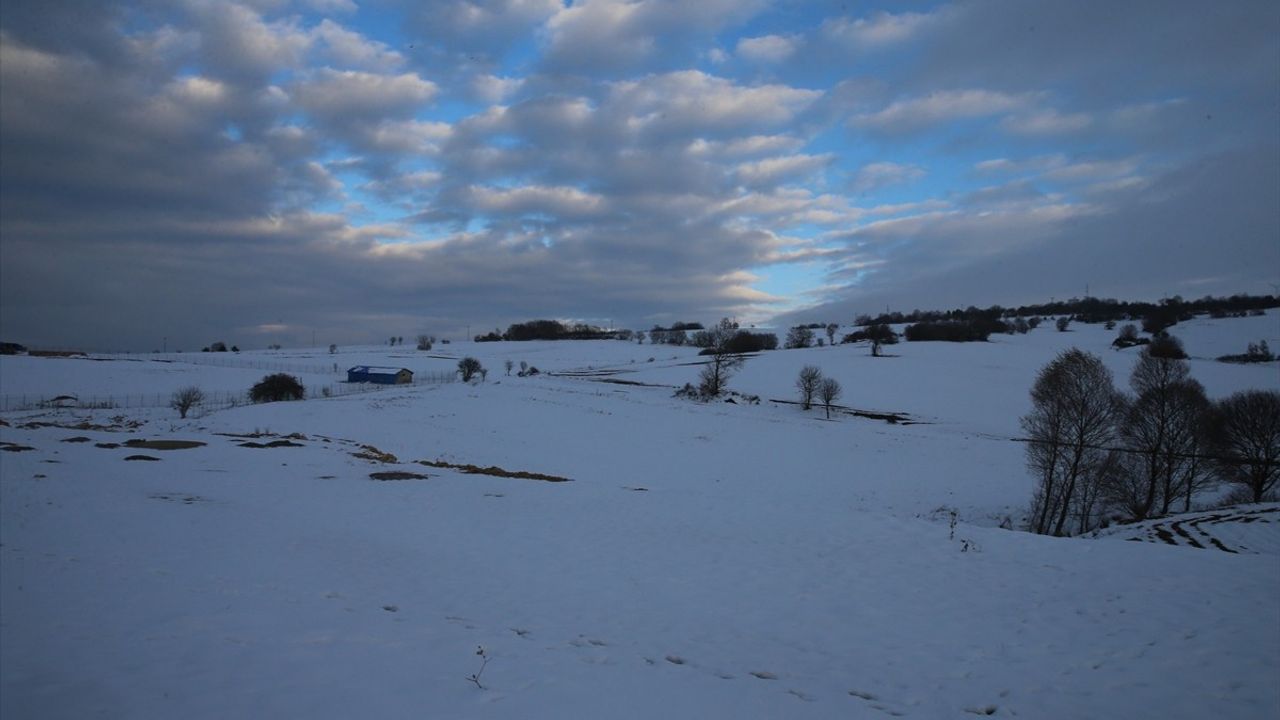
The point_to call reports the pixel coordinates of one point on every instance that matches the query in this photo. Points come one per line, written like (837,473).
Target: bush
(425,342)
(1062,323)
(185,399)
(951,331)
(799,337)
(1257,353)
(274,388)
(1167,347)
(469,367)
(743,342)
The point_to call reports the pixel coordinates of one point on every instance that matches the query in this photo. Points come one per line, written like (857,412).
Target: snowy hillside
(346,556)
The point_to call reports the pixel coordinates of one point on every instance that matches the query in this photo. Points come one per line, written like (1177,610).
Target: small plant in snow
(509,364)
(484,660)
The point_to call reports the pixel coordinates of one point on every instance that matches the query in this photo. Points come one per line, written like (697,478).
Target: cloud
(881,174)
(767,48)
(609,36)
(941,107)
(348,49)
(1042,250)
(771,171)
(878,31)
(1046,122)
(338,96)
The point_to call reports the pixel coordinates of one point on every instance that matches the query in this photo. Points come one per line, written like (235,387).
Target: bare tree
(716,373)
(1160,429)
(831,329)
(829,390)
(1245,439)
(1073,415)
(807,383)
(425,342)
(186,398)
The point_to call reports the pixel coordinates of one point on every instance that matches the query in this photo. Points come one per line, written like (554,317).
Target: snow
(706,560)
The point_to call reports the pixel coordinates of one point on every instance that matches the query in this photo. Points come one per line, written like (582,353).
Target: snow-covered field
(705,560)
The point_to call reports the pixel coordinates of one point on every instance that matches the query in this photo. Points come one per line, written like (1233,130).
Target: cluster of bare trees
(812,384)
(1099,453)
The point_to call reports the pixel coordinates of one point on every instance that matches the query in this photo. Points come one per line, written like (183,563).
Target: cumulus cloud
(767,48)
(597,36)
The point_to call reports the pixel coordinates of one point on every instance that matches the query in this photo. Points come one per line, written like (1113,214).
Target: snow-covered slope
(704,560)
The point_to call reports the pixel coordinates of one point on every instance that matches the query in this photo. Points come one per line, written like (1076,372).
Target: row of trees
(1094,310)
(1099,454)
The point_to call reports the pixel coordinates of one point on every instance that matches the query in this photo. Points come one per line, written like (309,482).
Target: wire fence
(213,400)
(219,360)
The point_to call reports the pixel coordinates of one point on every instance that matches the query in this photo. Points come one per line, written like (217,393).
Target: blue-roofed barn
(380,375)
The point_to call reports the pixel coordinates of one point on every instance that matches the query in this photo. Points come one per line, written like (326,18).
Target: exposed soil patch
(163,444)
(616,381)
(373,454)
(272,444)
(143,457)
(398,475)
(14,447)
(107,446)
(494,471)
(76,439)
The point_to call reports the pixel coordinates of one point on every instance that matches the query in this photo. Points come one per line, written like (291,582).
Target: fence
(220,360)
(216,400)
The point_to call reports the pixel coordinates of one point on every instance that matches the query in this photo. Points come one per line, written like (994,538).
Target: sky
(179,172)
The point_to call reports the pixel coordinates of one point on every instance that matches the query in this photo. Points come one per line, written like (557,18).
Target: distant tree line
(547,330)
(1163,314)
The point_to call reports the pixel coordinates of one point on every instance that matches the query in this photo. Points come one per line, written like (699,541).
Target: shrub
(949,331)
(1062,323)
(1257,353)
(469,367)
(1167,347)
(425,342)
(218,347)
(185,399)
(799,337)
(274,388)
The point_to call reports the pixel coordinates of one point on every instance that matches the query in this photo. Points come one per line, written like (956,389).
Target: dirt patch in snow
(164,444)
(148,458)
(14,447)
(272,444)
(494,471)
(397,475)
